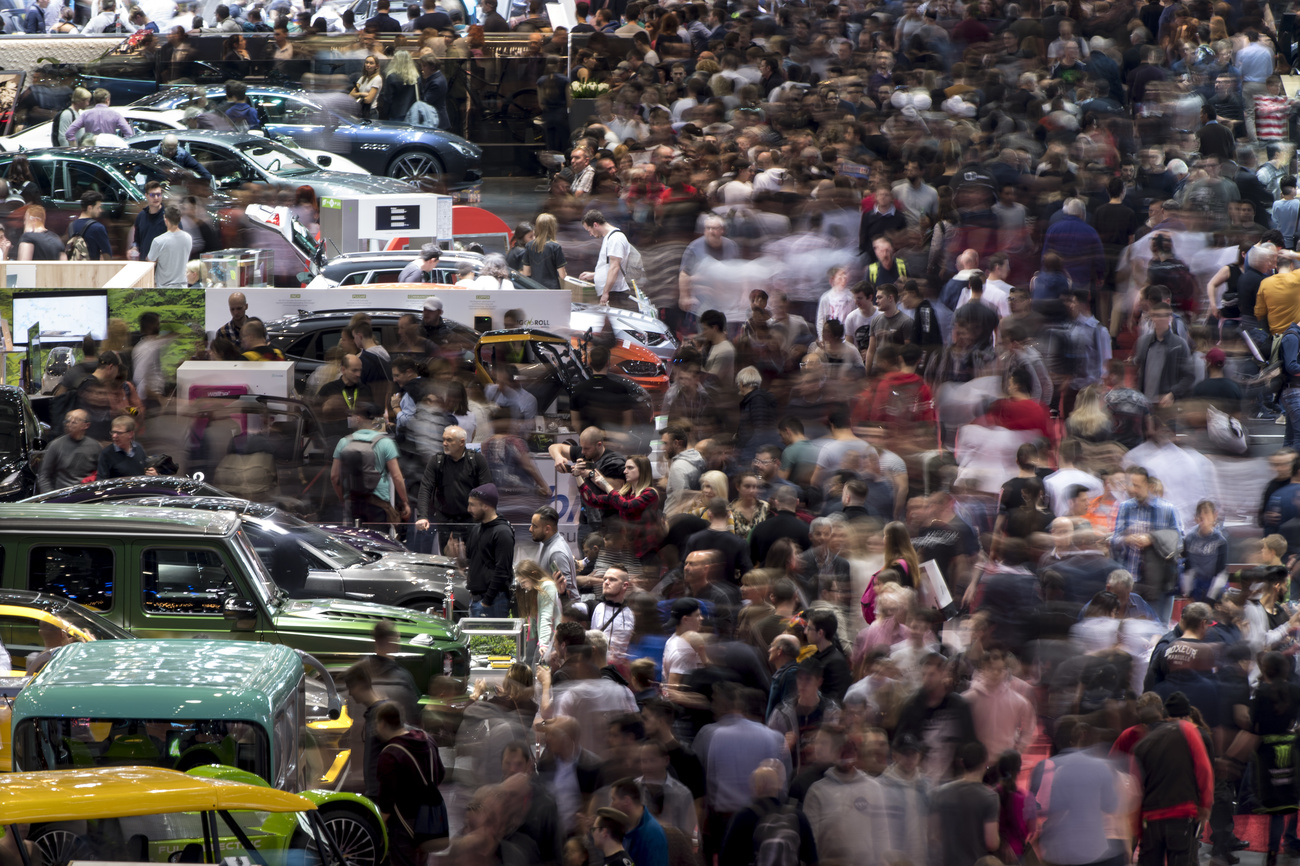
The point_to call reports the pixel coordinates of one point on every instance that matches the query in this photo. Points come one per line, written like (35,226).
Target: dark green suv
(164,573)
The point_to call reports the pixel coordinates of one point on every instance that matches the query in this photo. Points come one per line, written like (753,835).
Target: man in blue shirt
(1078,245)
(645,839)
(170,148)
(1139,516)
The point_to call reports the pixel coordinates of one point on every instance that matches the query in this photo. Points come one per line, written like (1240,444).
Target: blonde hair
(402,67)
(1090,416)
(645,476)
(544,230)
(717,481)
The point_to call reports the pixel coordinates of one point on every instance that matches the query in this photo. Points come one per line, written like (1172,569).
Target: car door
(183,588)
(228,168)
(78,177)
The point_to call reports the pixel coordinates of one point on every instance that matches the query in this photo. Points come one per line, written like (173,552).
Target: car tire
(358,837)
(419,168)
(58,845)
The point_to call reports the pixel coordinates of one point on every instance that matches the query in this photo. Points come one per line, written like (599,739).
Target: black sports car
(428,158)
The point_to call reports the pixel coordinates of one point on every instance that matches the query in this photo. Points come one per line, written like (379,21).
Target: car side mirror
(324,160)
(242,610)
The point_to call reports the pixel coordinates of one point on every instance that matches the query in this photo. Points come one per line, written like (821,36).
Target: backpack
(776,839)
(1174,275)
(361,469)
(633,267)
(76,248)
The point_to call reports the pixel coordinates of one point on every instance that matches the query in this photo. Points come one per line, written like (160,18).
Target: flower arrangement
(588,89)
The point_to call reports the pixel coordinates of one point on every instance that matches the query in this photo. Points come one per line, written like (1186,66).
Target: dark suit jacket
(783,524)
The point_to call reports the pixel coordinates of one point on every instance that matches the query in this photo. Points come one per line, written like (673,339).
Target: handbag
(1225,431)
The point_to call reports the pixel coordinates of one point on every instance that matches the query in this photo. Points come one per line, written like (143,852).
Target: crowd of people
(953,543)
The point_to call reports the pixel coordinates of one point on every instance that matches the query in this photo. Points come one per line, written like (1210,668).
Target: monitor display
(63,316)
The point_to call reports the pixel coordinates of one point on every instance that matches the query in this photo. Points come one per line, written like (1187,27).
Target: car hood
(359,617)
(421,571)
(344,183)
(411,133)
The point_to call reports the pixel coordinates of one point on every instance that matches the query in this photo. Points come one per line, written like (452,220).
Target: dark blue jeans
(499,608)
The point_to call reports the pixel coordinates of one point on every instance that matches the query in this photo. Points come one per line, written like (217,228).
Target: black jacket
(783,524)
(740,845)
(491,549)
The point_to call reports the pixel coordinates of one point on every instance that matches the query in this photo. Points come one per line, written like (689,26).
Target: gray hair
(456,432)
(1261,256)
(494,265)
(1120,579)
(749,377)
(820,523)
(1073,207)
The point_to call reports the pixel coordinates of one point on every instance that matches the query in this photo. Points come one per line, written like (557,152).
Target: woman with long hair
(543,604)
(516,694)
(1090,420)
(368,86)
(235,59)
(543,257)
(636,504)
(495,273)
(747,510)
(400,89)
(518,241)
(1018,812)
(902,566)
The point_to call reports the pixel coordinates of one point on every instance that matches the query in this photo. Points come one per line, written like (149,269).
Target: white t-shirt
(614,245)
(171,251)
(679,657)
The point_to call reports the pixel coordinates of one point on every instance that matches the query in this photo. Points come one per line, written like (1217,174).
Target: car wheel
(358,839)
(59,846)
(419,168)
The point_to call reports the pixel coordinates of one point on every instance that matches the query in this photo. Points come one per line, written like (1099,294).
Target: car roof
(114,518)
(126,483)
(230,504)
(400,255)
(123,792)
(222,136)
(103,155)
(163,679)
(47,608)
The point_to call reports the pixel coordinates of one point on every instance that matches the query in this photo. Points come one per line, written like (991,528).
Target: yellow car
(150,814)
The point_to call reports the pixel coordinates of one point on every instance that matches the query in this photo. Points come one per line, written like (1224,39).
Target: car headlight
(464,148)
(639,336)
(639,368)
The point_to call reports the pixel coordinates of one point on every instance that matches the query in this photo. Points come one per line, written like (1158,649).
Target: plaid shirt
(230,332)
(639,515)
(1140,517)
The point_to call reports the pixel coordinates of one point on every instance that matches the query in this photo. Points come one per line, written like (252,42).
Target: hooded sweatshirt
(491,549)
(847,814)
(683,476)
(410,769)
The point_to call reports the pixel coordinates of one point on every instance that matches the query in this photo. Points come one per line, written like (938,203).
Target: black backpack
(361,470)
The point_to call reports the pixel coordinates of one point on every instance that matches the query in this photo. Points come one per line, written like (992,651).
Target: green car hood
(343,616)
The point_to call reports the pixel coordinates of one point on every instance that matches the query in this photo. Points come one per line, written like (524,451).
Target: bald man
(71,457)
(590,452)
(740,844)
(170,148)
(968,263)
(238,318)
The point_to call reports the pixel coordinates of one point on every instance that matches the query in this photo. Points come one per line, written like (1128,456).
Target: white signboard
(543,309)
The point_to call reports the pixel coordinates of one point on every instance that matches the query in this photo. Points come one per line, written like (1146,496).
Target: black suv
(306,337)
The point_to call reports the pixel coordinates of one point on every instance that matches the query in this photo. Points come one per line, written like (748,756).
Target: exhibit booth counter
(61,275)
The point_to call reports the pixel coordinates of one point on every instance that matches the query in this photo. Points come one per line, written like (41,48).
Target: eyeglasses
(155,195)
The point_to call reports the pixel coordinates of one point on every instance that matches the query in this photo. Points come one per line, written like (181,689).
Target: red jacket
(1173,766)
(896,394)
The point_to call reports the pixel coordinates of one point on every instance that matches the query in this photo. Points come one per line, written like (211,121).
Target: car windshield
(74,616)
(67,743)
(259,577)
(285,528)
(139,173)
(11,431)
(275,158)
